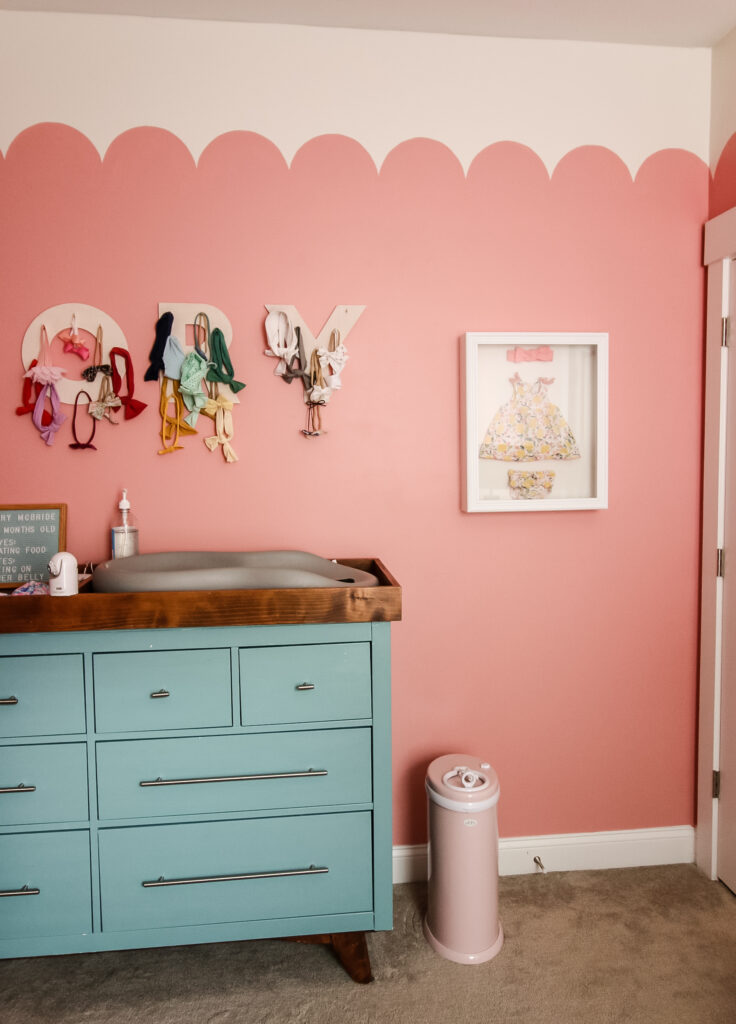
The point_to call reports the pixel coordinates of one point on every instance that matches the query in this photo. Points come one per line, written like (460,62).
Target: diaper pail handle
(468,778)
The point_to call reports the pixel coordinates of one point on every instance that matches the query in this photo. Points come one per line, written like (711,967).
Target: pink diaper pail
(462,911)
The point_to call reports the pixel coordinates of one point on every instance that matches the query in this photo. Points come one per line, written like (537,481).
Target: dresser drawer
(58,771)
(57,864)
(42,695)
(306,683)
(311,865)
(181,771)
(154,690)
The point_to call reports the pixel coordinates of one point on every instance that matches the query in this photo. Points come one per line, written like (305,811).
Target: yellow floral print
(530,483)
(529,427)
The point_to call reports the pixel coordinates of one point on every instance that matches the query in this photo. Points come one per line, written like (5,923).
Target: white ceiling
(654,22)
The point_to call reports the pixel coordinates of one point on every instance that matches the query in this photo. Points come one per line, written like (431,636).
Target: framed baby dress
(534,421)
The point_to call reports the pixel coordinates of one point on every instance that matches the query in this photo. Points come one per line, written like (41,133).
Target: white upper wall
(723,96)
(106,74)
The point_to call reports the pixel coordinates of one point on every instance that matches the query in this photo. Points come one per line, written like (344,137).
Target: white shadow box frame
(526,397)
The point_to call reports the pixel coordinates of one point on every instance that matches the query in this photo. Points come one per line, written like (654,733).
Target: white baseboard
(585,851)
(410,863)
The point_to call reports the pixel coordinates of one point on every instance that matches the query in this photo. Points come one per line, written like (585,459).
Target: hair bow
(90,372)
(132,407)
(541,354)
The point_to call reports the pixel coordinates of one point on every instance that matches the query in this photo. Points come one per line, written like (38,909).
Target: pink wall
(723,186)
(561,646)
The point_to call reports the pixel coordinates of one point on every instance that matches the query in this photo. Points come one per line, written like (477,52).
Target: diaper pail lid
(463,781)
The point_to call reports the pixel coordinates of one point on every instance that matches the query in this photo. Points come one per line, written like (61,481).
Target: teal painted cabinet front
(43,782)
(163,787)
(177,875)
(307,683)
(41,694)
(45,885)
(153,690)
(206,774)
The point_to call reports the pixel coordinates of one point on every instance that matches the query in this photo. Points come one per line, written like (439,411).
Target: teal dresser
(182,785)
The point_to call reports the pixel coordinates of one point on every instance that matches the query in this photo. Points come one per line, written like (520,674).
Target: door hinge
(716,785)
(719,562)
(724,330)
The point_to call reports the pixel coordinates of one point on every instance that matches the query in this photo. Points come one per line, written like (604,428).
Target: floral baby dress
(529,427)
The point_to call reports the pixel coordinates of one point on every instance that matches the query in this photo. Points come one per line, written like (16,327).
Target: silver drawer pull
(8,700)
(161,693)
(235,878)
(18,789)
(25,891)
(311,773)
(305,686)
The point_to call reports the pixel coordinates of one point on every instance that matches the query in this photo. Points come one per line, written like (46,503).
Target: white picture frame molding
(579,369)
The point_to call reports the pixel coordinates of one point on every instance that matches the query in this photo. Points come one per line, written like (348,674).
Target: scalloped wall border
(293,83)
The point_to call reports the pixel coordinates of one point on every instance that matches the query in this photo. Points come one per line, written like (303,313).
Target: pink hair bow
(70,337)
(540,354)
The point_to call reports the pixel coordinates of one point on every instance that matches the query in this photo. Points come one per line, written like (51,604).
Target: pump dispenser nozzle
(124,506)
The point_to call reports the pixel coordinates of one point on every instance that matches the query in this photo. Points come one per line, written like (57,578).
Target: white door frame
(720,248)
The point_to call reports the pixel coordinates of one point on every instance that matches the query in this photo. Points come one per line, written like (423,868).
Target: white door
(715,835)
(726,760)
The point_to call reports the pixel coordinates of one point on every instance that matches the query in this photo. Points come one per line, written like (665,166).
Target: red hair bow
(132,407)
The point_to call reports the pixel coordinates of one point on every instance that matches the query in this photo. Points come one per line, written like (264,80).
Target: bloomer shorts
(531,483)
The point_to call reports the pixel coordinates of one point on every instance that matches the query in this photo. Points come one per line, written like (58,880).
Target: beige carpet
(644,946)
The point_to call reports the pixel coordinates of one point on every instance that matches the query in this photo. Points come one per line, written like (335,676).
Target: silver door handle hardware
(305,686)
(161,693)
(21,788)
(25,891)
(311,773)
(235,878)
(8,700)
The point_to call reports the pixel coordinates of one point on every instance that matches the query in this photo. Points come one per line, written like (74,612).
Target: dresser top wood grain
(176,609)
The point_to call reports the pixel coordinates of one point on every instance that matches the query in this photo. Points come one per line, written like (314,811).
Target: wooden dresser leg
(350,948)
(352,952)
